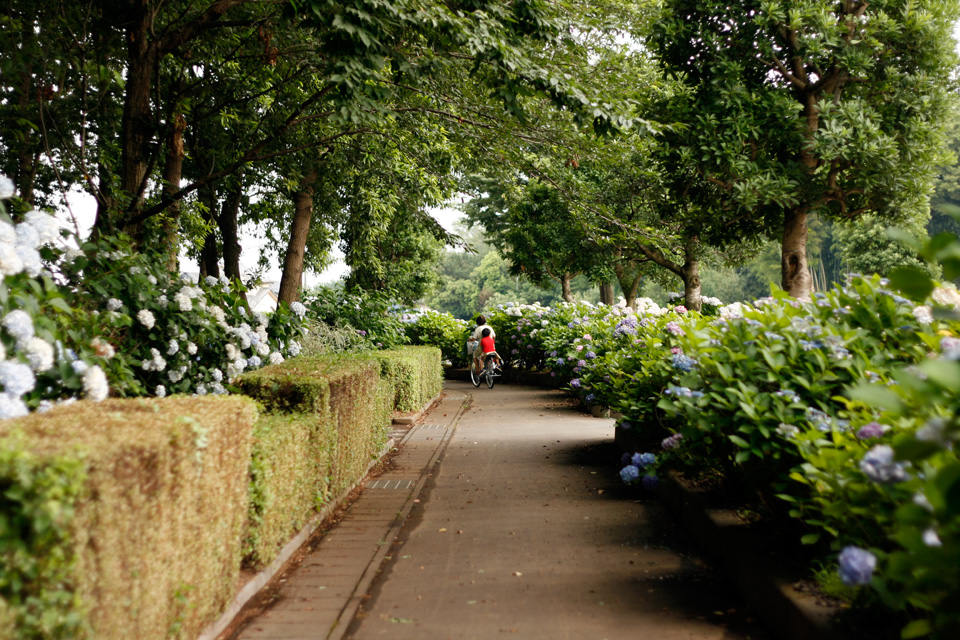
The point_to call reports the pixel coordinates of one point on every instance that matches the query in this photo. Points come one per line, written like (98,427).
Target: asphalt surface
(502,515)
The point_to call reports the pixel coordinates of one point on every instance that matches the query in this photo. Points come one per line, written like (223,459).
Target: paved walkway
(502,516)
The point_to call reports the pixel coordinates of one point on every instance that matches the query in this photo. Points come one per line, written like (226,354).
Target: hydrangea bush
(845,407)
(101,319)
(429,327)
(375,316)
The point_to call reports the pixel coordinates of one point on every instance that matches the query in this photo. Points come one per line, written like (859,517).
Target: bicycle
(488,372)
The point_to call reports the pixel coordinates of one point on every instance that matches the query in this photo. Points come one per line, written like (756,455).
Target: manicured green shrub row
(131,518)
(417,372)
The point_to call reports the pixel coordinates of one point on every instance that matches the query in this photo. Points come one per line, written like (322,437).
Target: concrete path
(504,517)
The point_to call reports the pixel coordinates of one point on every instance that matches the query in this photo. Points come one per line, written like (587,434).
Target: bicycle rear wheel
(474,376)
(488,371)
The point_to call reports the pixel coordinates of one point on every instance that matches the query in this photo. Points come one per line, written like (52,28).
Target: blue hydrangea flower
(561,361)
(650,481)
(629,474)
(856,566)
(590,398)
(683,362)
(642,460)
(590,355)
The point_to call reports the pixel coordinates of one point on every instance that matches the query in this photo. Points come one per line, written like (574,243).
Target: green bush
(372,315)
(416,373)
(442,330)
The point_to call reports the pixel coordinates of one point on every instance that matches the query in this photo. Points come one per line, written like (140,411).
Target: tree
(811,107)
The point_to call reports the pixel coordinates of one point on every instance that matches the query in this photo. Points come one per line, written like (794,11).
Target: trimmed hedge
(123,519)
(130,518)
(327,417)
(417,373)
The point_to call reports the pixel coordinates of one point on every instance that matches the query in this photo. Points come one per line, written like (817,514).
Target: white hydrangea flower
(201,390)
(217,313)
(192,348)
(276,358)
(3,352)
(10,261)
(231,351)
(95,386)
(173,348)
(19,324)
(260,320)
(113,304)
(254,362)
(8,233)
(152,279)
(46,226)
(16,378)
(12,406)
(161,391)
(6,187)
(79,367)
(185,277)
(39,354)
(146,318)
(27,236)
(923,314)
(294,349)
(947,296)
(30,257)
(217,389)
(174,376)
(263,349)
(211,281)
(162,301)
(183,302)
(217,375)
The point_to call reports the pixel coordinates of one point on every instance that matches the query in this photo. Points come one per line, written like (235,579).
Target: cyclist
(477,335)
(487,348)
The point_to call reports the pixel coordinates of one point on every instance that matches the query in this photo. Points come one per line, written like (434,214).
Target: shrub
(373,315)
(119,507)
(442,330)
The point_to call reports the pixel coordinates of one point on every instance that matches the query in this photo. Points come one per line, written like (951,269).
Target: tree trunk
(297,246)
(172,172)
(136,128)
(691,283)
(565,287)
(230,236)
(629,283)
(794,274)
(209,255)
(606,293)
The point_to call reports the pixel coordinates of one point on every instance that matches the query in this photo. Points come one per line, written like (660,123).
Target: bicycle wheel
(488,371)
(474,376)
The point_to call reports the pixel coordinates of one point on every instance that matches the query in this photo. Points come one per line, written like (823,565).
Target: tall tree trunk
(172,172)
(691,281)
(606,293)
(629,281)
(567,292)
(297,246)
(794,274)
(209,254)
(230,235)
(136,128)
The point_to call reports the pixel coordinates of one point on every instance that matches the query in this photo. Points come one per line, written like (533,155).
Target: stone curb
(412,418)
(253,586)
(761,581)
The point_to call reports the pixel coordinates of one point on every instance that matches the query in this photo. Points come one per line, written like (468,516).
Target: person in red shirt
(487,347)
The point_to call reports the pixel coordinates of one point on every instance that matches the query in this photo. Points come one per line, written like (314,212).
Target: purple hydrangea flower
(675,329)
(575,383)
(581,363)
(590,355)
(629,474)
(561,361)
(673,442)
(871,430)
(856,566)
(650,481)
(878,465)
